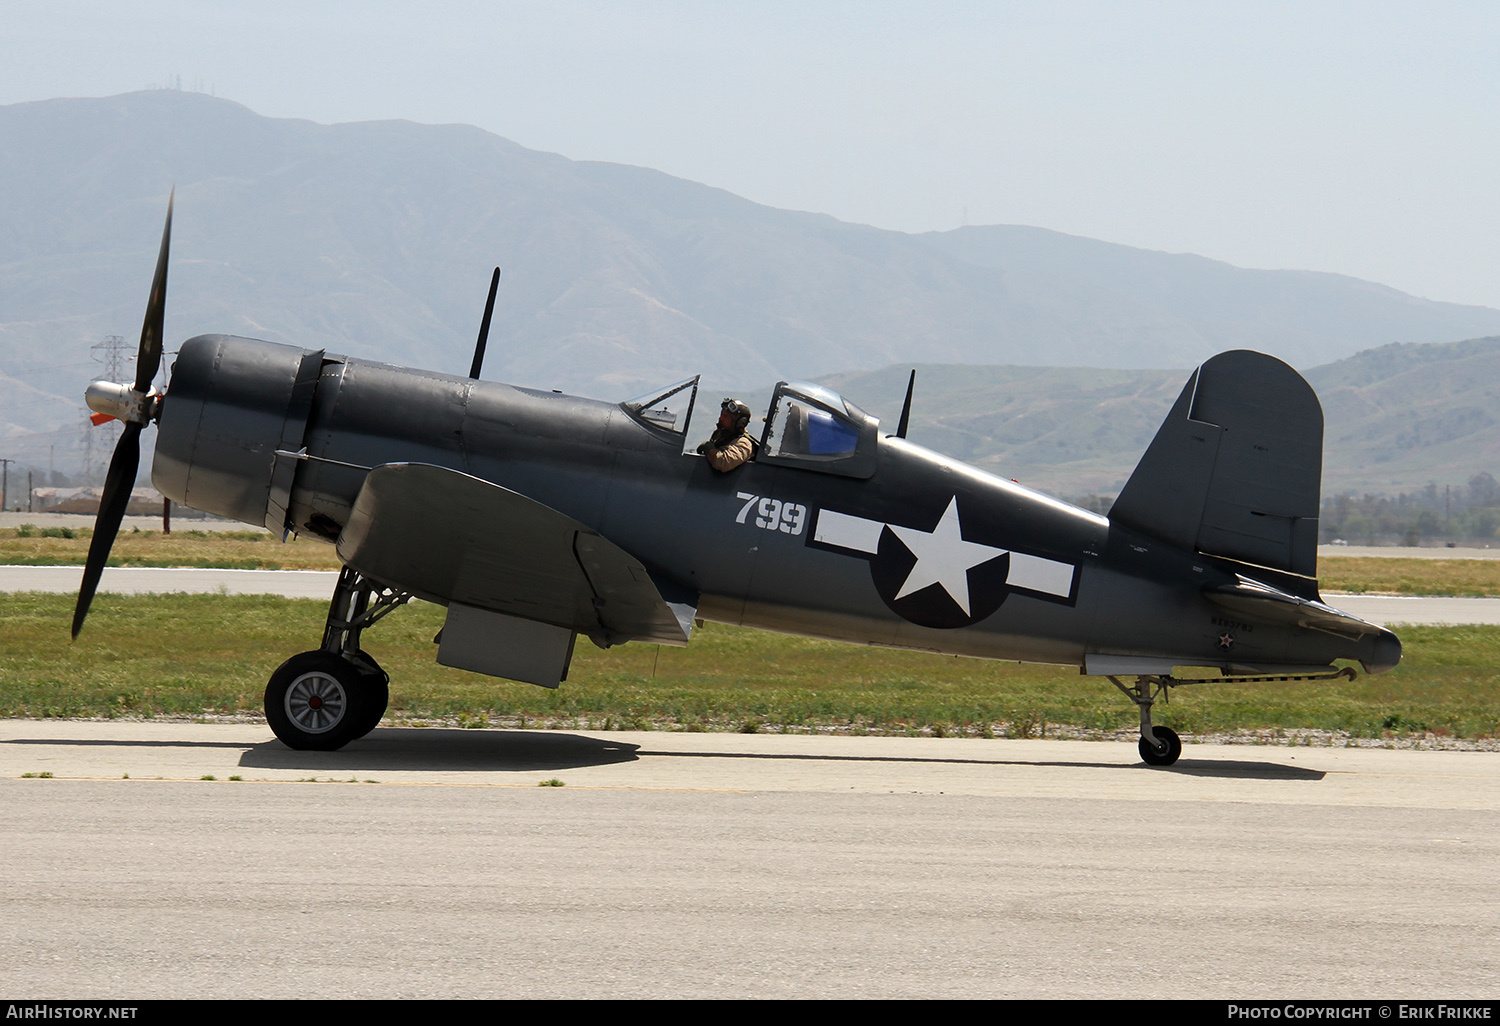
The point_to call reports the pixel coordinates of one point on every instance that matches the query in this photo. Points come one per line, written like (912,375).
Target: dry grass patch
(1467,577)
(221,550)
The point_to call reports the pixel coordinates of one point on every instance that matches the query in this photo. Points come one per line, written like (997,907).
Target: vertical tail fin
(1236,469)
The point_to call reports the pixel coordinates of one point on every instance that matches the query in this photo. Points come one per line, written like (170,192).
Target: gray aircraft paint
(1062,584)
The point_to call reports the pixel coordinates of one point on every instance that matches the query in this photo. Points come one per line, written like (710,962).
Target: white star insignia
(943,557)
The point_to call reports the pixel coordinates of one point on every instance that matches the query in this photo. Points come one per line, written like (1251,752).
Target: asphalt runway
(428,863)
(1409,552)
(186,522)
(147,580)
(180,521)
(318,584)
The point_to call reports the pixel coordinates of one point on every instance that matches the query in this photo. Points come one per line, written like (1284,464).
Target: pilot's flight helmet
(738,411)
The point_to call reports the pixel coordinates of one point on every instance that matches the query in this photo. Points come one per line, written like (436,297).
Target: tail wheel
(1172,747)
(319,702)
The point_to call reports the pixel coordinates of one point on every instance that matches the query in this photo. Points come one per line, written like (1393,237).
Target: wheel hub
(315,702)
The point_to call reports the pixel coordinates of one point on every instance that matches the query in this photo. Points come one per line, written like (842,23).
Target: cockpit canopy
(807,426)
(815,428)
(665,411)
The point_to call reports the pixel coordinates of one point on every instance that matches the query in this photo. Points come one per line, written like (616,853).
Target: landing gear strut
(1159,746)
(323,699)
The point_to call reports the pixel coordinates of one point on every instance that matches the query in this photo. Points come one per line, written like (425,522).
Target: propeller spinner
(137,406)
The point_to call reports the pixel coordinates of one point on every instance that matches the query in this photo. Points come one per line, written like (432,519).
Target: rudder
(1236,468)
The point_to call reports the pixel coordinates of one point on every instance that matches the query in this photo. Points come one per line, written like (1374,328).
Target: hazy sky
(1362,137)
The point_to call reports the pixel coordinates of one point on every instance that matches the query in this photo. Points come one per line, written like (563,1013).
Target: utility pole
(5,484)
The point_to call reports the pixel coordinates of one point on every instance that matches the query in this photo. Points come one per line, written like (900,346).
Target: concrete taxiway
(429,863)
(318,584)
(155,580)
(1409,552)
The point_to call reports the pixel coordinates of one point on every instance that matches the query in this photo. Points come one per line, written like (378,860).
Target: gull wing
(449,537)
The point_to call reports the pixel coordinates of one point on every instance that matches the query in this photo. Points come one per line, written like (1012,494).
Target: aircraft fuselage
(924,553)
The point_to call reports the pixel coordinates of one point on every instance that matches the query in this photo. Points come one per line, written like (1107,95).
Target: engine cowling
(232,403)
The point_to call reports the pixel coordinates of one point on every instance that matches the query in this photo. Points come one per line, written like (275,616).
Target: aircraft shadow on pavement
(458,750)
(438,748)
(1186,767)
(1241,770)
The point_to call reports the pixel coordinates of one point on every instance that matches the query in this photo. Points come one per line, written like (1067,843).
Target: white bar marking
(1037,574)
(848,532)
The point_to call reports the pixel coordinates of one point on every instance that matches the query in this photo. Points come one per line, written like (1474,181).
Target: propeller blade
(126,460)
(117,486)
(148,356)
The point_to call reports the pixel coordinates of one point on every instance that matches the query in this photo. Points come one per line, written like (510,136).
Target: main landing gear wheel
(319,702)
(377,684)
(1165,757)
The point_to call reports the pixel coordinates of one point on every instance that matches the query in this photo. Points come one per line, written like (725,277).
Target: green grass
(197,655)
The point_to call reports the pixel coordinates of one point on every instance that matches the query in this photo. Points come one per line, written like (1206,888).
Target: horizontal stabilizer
(1257,601)
(1236,468)
(449,537)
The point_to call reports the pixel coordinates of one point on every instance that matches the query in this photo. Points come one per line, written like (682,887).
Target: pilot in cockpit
(729,445)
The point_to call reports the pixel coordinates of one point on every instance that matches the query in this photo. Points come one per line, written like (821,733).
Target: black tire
(1152,757)
(377,696)
(318,702)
